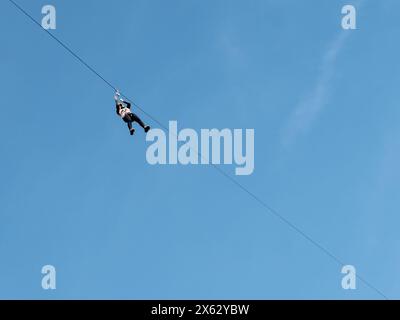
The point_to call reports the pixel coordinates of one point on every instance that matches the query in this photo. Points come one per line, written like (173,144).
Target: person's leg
(131,129)
(141,123)
(134,117)
(129,121)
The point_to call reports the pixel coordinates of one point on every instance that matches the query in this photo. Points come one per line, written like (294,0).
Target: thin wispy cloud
(308,109)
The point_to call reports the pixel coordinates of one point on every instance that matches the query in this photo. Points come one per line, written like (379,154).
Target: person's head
(120,104)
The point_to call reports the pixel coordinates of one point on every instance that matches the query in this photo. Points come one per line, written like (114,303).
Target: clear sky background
(76,191)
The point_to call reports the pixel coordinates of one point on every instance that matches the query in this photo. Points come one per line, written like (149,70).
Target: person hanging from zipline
(123,109)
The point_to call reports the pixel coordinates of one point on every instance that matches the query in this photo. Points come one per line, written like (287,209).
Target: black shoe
(146,129)
(132,131)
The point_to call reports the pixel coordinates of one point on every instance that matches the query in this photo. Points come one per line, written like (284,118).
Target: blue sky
(76,191)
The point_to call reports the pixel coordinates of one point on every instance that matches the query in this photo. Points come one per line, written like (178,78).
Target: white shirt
(124,111)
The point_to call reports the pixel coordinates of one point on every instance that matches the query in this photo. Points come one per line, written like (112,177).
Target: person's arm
(117,96)
(128,105)
(116,99)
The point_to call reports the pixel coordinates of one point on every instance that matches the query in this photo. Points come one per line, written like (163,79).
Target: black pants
(130,118)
